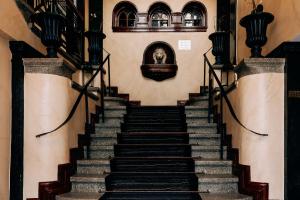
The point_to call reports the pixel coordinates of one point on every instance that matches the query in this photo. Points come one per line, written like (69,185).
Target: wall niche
(159,18)
(159,62)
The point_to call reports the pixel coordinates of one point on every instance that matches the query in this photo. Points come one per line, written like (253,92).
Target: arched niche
(124,15)
(194,14)
(159,15)
(159,61)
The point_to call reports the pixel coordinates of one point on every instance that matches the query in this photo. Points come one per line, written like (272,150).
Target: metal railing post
(109,86)
(102,96)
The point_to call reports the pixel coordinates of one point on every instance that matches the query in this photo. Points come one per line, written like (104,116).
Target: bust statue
(159,56)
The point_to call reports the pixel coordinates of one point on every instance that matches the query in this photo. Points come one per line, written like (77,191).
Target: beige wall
(14,27)
(127,55)
(5,116)
(46,106)
(285,27)
(259,104)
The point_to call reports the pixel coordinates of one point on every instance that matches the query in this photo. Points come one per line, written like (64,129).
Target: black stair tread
(151,195)
(155,145)
(156,133)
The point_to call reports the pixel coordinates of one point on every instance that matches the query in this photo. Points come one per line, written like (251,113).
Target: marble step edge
(204,196)
(191,135)
(107,98)
(115,108)
(197,108)
(195,147)
(202,178)
(198,162)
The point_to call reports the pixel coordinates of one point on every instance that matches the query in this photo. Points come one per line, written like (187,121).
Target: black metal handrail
(84,91)
(223,95)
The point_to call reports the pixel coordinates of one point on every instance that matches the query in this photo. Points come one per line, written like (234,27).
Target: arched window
(194,14)
(124,15)
(159,15)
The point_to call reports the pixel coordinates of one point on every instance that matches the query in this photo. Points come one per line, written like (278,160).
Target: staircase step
(153,127)
(204,139)
(210,152)
(199,101)
(153,138)
(79,196)
(152,181)
(151,150)
(114,111)
(114,101)
(213,166)
(101,152)
(218,183)
(151,195)
(152,165)
(97,139)
(107,130)
(153,120)
(88,183)
(98,167)
(195,119)
(203,128)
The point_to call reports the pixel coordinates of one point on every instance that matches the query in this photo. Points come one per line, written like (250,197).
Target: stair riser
(93,169)
(150,152)
(153,183)
(213,154)
(101,154)
(149,165)
(88,187)
(202,104)
(104,141)
(205,141)
(202,130)
(151,196)
(108,103)
(100,130)
(198,113)
(154,139)
(210,169)
(197,121)
(110,122)
(225,187)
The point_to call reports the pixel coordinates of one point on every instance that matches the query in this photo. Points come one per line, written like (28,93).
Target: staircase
(155,153)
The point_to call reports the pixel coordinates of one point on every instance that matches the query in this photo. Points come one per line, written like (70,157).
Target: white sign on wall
(185,45)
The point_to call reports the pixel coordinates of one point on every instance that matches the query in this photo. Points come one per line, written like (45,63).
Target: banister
(224,95)
(83,92)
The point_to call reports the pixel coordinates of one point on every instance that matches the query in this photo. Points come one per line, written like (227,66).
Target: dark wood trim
(48,190)
(79,88)
(19,50)
(258,190)
(167,29)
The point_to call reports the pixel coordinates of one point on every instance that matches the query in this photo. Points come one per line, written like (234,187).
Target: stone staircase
(152,153)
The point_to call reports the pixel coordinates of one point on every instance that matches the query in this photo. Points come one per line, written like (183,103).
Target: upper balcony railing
(73,35)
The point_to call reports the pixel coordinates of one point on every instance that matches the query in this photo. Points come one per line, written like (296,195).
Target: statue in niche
(159,56)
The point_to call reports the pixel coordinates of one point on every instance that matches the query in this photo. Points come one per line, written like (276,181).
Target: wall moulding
(55,66)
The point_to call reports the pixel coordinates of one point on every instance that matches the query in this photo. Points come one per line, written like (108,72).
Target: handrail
(83,92)
(223,94)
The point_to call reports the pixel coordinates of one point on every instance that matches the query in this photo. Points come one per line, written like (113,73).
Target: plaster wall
(41,155)
(285,27)
(5,116)
(127,55)
(258,102)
